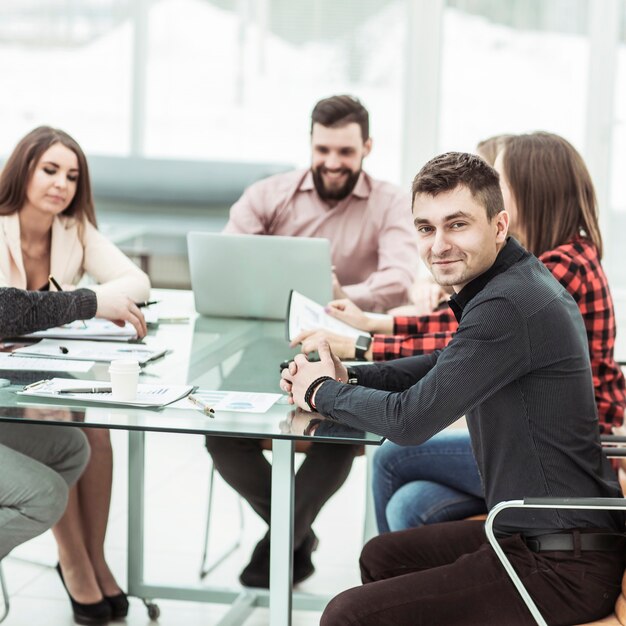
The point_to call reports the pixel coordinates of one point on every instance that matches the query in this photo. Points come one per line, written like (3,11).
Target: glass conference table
(212,353)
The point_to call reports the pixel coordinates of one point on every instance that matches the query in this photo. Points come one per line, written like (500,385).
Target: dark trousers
(244,467)
(448,574)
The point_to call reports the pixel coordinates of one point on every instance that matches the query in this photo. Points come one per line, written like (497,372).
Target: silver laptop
(252,275)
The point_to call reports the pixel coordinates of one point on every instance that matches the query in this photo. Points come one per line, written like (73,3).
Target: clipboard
(149,395)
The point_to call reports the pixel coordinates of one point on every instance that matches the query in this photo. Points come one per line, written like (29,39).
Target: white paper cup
(124,375)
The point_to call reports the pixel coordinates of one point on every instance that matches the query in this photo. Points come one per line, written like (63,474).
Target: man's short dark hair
(338,111)
(447,171)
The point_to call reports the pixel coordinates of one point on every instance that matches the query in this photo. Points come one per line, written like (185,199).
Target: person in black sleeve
(518,369)
(38,464)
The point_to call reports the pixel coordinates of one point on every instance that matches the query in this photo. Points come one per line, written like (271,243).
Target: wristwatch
(361,346)
(352,377)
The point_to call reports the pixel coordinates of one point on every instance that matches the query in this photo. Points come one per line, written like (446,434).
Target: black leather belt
(564,542)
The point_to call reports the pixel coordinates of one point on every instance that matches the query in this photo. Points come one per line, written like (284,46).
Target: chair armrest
(613,452)
(575,503)
(608,438)
(613,445)
(540,503)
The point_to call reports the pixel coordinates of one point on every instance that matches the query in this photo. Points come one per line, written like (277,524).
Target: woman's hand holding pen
(120,309)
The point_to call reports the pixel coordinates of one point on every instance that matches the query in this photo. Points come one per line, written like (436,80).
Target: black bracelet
(311,389)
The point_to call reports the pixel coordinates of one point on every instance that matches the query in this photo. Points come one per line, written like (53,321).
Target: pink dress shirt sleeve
(389,285)
(248,216)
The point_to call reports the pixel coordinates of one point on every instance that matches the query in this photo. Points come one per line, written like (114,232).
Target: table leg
(369,524)
(136,456)
(281,532)
(281,558)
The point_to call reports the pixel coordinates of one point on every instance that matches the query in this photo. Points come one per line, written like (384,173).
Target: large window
(237,80)
(511,67)
(618,161)
(223,79)
(66,64)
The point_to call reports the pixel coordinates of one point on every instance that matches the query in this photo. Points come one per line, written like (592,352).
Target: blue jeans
(437,481)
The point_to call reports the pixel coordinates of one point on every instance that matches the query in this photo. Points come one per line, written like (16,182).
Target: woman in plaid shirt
(555,215)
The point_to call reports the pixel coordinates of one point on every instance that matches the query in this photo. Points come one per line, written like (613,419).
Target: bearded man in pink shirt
(374,252)
(367,221)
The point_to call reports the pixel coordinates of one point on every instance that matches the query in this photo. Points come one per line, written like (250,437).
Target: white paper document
(240,401)
(148,394)
(102,330)
(102,351)
(305,314)
(25,363)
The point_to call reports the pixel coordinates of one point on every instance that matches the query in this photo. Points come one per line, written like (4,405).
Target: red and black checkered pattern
(577,267)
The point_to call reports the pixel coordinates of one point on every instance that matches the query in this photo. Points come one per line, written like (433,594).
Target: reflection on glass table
(212,354)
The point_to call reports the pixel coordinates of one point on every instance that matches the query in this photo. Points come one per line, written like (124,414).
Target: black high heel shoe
(118,604)
(88,614)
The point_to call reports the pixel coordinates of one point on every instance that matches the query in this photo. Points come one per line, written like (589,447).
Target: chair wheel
(154,611)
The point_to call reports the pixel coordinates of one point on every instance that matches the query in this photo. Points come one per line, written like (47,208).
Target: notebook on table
(101,351)
(253,275)
(91,330)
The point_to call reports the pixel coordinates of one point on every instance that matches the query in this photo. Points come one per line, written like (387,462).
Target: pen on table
(174,320)
(85,390)
(38,383)
(53,280)
(206,408)
(141,305)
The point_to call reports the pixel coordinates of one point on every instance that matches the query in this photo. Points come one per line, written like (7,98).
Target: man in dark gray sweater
(518,369)
(39,463)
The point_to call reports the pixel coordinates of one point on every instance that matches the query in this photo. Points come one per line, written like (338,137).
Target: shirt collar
(361,189)
(510,254)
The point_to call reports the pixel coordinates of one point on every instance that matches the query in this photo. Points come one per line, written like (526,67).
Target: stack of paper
(90,351)
(305,314)
(9,362)
(95,329)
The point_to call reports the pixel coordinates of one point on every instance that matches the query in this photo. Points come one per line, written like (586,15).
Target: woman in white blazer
(48,227)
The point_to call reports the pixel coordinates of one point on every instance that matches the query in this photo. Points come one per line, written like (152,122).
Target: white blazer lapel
(12,236)
(65,250)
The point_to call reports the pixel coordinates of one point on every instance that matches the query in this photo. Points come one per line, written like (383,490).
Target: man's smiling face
(336,158)
(456,240)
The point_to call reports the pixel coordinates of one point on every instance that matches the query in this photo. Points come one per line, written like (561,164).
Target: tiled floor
(177,468)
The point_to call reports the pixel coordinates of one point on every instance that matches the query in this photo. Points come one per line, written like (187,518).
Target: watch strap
(361,346)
